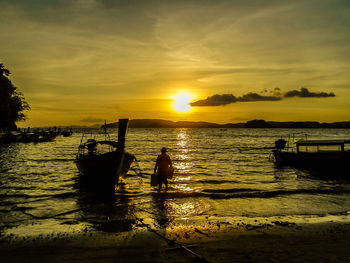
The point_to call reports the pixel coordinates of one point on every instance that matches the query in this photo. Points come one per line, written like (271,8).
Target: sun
(181,102)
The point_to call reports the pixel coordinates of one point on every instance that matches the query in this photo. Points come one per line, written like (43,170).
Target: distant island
(157,123)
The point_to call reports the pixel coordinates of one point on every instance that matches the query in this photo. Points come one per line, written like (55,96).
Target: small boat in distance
(28,137)
(67,133)
(316,155)
(102,162)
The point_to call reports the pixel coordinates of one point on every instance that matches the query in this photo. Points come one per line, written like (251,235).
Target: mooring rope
(170,241)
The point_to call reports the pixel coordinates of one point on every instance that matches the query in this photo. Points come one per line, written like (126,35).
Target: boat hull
(103,169)
(335,162)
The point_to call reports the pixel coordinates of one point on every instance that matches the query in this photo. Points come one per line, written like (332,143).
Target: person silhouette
(162,168)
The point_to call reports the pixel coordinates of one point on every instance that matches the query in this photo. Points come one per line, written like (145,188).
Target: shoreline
(316,242)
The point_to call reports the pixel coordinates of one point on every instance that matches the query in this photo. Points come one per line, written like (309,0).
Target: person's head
(163,150)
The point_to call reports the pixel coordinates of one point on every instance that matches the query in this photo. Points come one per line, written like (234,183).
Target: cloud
(305,93)
(257,97)
(275,92)
(224,99)
(216,100)
(91,119)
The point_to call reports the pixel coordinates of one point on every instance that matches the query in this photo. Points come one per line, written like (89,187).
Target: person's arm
(156,165)
(170,163)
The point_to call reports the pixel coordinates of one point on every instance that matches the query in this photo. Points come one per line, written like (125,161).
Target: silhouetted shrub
(12,102)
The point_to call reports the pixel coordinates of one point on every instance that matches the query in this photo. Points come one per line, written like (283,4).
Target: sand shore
(278,242)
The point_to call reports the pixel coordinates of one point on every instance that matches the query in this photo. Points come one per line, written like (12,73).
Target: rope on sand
(199,258)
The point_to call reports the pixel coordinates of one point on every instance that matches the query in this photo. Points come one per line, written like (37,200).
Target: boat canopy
(321,142)
(321,145)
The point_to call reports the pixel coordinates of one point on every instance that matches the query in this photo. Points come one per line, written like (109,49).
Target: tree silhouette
(12,102)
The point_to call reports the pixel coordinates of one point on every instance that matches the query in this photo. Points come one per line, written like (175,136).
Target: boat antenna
(105,129)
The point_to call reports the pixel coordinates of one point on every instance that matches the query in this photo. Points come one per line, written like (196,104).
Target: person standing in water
(163,168)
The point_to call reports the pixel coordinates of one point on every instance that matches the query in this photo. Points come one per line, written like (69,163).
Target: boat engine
(91,146)
(280,144)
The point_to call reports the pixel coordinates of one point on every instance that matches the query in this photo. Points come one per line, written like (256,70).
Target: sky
(85,61)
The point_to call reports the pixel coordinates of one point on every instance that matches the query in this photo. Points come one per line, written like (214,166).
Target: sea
(221,176)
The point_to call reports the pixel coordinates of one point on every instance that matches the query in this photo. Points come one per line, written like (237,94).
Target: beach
(277,242)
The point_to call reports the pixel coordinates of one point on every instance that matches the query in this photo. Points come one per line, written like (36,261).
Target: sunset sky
(81,62)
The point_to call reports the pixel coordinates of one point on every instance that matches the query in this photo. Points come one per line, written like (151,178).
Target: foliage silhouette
(12,102)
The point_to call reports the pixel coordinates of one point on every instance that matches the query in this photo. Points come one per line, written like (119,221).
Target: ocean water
(221,175)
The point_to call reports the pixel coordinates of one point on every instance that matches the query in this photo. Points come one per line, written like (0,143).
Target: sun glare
(181,103)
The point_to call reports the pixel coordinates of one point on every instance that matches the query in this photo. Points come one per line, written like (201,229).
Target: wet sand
(272,242)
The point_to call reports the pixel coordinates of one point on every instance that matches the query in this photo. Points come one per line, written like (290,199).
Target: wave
(176,194)
(223,191)
(251,193)
(21,196)
(65,195)
(217,182)
(244,193)
(61,195)
(51,160)
(14,187)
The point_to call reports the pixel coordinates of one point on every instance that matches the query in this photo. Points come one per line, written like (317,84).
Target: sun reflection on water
(182,162)
(182,157)
(182,139)
(184,210)
(183,188)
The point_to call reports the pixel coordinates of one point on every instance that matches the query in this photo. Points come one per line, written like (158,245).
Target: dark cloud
(216,100)
(276,95)
(257,97)
(305,93)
